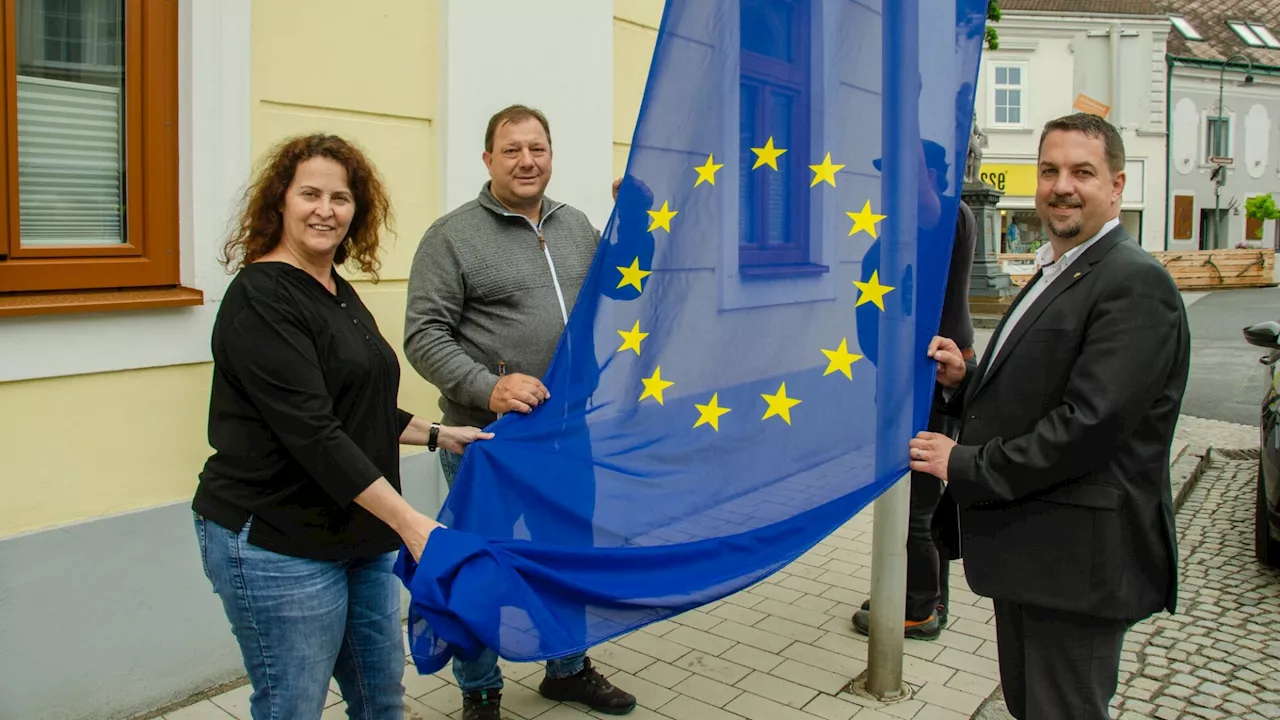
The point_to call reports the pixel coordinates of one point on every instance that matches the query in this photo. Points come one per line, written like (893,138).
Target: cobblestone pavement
(785,648)
(1219,656)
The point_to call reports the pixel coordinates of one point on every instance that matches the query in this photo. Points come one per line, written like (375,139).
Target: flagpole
(900,128)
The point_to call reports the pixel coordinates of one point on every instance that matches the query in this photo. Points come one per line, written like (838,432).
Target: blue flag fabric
(746,360)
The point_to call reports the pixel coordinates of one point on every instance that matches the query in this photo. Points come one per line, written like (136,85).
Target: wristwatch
(433,437)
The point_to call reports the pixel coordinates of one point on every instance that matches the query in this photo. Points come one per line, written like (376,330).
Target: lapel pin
(1076,275)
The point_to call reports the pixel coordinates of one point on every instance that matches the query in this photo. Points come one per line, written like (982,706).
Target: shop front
(1021,231)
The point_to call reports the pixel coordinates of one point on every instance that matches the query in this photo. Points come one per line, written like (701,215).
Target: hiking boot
(590,688)
(482,705)
(928,629)
(941,612)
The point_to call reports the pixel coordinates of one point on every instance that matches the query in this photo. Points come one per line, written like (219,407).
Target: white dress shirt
(1050,270)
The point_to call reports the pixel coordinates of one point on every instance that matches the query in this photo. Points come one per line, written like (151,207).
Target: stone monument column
(990,289)
(987,279)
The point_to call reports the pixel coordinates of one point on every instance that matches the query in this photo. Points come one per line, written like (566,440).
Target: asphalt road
(1226,381)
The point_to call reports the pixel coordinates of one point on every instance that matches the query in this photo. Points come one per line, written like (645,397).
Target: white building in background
(1056,57)
(1241,136)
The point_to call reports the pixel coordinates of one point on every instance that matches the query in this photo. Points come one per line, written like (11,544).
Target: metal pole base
(859,687)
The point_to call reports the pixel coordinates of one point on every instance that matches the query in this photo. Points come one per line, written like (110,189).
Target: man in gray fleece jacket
(490,292)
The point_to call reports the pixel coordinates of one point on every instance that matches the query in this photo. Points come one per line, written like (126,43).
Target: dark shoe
(482,705)
(927,629)
(590,688)
(941,612)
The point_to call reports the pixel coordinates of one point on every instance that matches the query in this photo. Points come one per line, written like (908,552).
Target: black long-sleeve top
(302,416)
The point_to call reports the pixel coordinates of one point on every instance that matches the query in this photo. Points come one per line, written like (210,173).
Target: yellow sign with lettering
(1017,180)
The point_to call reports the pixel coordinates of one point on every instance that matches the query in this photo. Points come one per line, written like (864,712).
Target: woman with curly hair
(298,512)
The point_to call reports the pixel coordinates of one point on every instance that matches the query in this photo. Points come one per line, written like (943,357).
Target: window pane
(1002,98)
(71,126)
(1002,114)
(1015,99)
(1015,76)
(781,113)
(767,28)
(1002,76)
(749,101)
(1015,115)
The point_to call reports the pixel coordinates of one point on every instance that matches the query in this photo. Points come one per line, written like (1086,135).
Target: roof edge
(1202,63)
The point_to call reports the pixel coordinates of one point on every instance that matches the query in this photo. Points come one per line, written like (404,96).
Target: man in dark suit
(1061,472)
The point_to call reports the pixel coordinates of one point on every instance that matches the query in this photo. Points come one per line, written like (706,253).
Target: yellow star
(767,155)
(865,220)
(662,217)
(826,171)
(841,359)
(872,291)
(707,172)
(653,386)
(710,413)
(631,339)
(632,275)
(779,404)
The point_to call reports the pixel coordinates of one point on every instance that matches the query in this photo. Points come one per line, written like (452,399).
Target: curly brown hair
(260,223)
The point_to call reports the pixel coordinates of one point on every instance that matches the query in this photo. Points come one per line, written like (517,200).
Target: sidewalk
(783,649)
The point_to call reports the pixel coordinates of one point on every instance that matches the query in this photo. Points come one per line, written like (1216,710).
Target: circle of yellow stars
(839,359)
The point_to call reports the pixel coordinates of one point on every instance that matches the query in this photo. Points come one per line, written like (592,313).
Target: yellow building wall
(88,446)
(635,32)
(382,95)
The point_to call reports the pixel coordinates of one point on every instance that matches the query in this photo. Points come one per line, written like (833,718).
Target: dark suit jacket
(1061,476)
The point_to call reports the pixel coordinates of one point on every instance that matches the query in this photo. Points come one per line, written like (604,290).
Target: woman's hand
(415,531)
(456,439)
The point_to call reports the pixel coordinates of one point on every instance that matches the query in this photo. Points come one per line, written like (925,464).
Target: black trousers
(1057,665)
(928,571)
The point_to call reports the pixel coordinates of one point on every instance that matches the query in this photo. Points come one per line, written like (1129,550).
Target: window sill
(782,271)
(1009,130)
(61,303)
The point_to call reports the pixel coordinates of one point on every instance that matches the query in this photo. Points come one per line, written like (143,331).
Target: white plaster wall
(560,61)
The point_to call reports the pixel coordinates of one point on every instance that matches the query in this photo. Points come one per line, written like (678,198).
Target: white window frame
(1205,150)
(1264,34)
(1022,66)
(1245,33)
(1185,28)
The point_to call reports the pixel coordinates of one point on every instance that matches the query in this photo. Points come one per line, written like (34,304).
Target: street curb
(1184,473)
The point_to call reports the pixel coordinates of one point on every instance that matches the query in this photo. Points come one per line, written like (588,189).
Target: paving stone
(756,707)
(707,690)
(830,708)
(699,640)
(655,647)
(777,689)
(756,637)
(713,667)
(821,680)
(753,658)
(951,699)
(686,708)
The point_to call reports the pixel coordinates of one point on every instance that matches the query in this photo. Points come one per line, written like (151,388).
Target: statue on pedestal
(977,142)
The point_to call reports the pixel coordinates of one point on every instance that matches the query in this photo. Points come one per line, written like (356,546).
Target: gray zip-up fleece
(487,286)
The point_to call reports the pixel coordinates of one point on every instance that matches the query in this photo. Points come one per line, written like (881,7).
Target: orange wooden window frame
(149,258)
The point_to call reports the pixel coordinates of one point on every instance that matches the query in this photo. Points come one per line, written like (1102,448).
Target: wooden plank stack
(1194,270)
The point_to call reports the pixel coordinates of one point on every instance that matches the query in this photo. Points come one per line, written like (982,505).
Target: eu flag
(746,361)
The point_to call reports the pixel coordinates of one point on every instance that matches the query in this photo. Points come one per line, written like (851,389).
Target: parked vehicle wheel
(1266,548)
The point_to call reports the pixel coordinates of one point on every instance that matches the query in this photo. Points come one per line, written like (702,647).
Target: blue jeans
(483,673)
(300,622)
